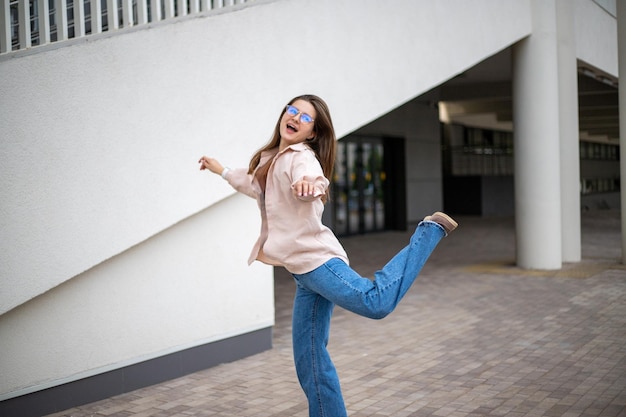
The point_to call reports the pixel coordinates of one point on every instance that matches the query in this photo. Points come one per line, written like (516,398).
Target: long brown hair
(324,144)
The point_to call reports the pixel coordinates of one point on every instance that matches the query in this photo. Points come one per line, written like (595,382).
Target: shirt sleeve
(241,181)
(307,167)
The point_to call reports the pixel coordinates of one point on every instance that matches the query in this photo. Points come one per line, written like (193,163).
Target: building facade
(122,265)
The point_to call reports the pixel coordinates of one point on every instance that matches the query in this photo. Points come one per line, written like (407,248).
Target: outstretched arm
(211,164)
(238,178)
(309,181)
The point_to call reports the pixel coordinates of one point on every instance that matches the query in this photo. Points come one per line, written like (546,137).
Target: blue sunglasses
(293,111)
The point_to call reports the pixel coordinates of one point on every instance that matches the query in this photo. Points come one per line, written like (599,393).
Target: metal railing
(25,24)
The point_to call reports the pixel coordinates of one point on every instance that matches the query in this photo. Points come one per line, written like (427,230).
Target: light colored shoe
(443,220)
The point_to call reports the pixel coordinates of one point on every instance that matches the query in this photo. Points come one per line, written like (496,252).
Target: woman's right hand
(211,164)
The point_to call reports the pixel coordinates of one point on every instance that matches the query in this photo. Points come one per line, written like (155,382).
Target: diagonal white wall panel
(100,139)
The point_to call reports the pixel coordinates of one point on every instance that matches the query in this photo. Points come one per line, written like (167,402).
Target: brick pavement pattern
(475,336)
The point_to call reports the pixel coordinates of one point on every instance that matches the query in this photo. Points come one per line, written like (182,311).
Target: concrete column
(569,132)
(537,143)
(621,59)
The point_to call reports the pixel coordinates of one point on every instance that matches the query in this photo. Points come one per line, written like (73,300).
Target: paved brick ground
(475,336)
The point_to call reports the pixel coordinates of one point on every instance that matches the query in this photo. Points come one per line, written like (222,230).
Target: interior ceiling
(481,97)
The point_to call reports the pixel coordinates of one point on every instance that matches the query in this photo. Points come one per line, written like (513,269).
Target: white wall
(99,143)
(122,119)
(180,288)
(596,36)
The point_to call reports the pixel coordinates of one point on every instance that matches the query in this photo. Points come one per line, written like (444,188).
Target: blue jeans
(334,282)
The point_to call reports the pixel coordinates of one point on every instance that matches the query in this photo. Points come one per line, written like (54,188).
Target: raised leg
(337,282)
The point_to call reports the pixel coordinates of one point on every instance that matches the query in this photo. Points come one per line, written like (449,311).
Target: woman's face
(293,129)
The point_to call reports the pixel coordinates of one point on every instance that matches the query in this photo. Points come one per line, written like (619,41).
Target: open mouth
(291,128)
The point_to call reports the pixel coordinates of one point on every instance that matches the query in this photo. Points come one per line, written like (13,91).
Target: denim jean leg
(399,274)
(314,367)
(375,299)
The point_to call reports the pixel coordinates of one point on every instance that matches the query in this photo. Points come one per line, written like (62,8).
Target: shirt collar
(301,146)
(269,154)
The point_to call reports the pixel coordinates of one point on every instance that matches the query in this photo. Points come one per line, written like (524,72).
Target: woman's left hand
(304,188)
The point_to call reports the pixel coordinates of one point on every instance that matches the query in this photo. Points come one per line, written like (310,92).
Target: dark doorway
(369,185)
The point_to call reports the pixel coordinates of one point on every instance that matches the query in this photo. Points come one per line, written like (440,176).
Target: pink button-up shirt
(292,233)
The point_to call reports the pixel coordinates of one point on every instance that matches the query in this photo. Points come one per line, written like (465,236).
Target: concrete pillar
(621,59)
(537,143)
(569,133)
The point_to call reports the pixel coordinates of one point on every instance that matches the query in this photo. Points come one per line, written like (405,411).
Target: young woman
(289,179)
